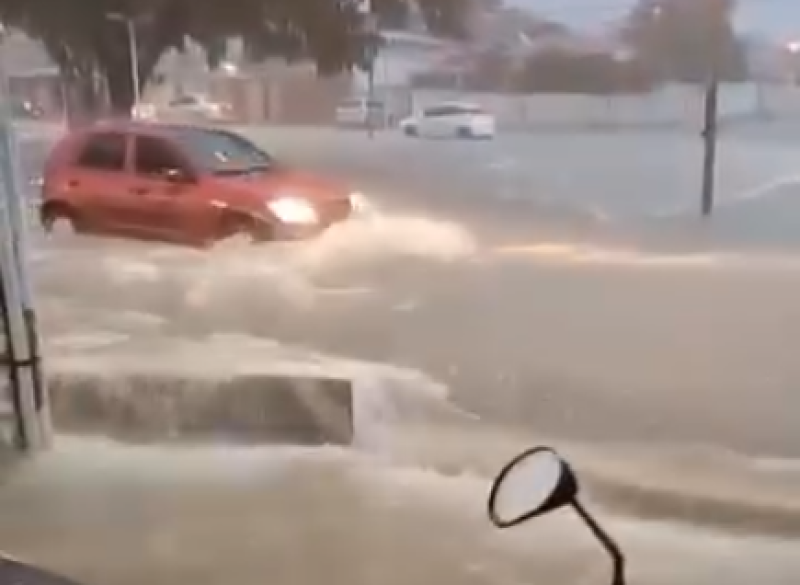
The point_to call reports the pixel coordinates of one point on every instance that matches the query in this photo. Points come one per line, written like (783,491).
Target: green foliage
(84,42)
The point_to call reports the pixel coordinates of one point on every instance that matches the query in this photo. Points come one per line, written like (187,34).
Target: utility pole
(133,51)
(371,30)
(710,124)
(29,395)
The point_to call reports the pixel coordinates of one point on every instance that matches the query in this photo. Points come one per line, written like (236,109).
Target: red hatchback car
(182,184)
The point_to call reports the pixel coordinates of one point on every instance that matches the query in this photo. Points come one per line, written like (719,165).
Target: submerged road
(549,288)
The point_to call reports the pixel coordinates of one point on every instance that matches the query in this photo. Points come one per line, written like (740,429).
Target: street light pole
(711,124)
(710,145)
(371,29)
(27,381)
(133,51)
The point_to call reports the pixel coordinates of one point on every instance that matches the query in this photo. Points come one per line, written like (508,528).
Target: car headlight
(293,210)
(358,202)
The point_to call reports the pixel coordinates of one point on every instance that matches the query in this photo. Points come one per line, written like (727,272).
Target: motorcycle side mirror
(536,482)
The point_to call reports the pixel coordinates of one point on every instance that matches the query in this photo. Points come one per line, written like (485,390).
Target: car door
(168,191)
(96,183)
(450,121)
(429,122)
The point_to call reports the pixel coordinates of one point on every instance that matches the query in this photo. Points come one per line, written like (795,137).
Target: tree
(687,40)
(559,71)
(91,50)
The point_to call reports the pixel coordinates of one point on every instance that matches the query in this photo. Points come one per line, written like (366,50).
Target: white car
(187,108)
(450,120)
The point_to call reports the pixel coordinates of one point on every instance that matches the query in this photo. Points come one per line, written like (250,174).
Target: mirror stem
(611,547)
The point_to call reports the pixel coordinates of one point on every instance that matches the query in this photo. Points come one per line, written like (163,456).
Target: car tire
(464,132)
(236,228)
(60,220)
(411,131)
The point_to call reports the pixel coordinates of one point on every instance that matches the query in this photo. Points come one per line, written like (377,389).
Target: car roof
(140,127)
(469,105)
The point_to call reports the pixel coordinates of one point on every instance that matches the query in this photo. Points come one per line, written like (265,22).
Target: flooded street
(121,515)
(668,378)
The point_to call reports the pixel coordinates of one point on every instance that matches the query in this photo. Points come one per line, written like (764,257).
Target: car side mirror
(537,482)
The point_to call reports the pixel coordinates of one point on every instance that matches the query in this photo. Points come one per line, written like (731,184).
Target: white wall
(673,106)
(399,61)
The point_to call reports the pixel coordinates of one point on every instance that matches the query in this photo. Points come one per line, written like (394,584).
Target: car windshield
(221,152)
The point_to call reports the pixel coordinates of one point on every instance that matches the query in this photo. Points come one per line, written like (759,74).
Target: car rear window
(361,103)
(103,151)
(220,151)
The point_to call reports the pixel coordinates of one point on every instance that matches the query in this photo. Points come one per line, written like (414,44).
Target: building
(402,56)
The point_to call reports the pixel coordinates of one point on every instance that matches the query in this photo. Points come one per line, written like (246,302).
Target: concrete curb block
(150,407)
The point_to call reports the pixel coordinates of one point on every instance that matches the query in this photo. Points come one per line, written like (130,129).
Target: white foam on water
(228,281)
(386,398)
(590,255)
(74,461)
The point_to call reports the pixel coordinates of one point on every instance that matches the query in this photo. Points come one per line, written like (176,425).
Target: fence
(674,106)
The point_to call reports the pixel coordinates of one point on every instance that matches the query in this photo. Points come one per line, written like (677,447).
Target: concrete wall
(672,106)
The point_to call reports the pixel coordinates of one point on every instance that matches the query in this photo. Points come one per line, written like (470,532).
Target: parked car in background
(185,108)
(359,112)
(26,109)
(447,120)
(183,184)
(144,111)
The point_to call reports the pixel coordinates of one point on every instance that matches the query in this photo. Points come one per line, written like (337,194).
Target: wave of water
(403,417)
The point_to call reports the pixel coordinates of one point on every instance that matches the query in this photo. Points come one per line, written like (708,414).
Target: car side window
(103,152)
(154,157)
(450,111)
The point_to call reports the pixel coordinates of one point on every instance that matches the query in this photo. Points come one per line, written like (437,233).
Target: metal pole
(371,28)
(608,543)
(134,50)
(371,99)
(710,125)
(31,395)
(21,360)
(710,147)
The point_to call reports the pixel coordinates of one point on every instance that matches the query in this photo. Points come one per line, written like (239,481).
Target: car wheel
(411,131)
(60,220)
(241,230)
(465,132)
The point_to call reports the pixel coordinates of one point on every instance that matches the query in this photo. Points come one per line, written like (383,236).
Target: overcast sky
(777,18)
